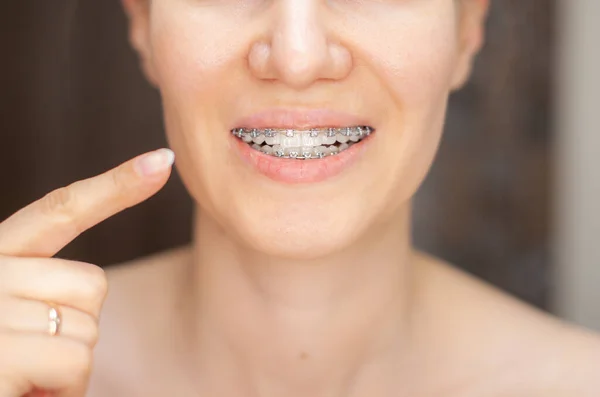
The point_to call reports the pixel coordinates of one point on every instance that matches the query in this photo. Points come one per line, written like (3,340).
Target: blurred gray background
(74,104)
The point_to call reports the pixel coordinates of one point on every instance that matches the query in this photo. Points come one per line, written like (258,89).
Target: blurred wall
(75,104)
(577,220)
(486,204)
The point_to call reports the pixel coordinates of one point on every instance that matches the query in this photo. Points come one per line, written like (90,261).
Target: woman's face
(288,67)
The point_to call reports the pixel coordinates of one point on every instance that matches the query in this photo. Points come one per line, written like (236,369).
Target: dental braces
(303,153)
(360,131)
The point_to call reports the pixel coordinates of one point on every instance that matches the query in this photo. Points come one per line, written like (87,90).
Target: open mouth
(315,143)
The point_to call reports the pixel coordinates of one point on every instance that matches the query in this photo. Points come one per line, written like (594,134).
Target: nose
(297,51)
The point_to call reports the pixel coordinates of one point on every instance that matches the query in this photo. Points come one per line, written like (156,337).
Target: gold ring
(54,320)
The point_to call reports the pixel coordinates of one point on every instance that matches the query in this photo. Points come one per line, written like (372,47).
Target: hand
(32,361)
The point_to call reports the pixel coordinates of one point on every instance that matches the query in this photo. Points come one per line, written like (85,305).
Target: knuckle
(120,179)
(96,283)
(91,331)
(86,284)
(58,202)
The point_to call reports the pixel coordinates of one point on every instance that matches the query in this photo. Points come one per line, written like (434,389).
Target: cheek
(195,56)
(193,52)
(413,55)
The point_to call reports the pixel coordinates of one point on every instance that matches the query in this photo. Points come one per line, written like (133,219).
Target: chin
(302,234)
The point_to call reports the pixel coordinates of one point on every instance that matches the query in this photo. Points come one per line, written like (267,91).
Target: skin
(285,290)
(33,361)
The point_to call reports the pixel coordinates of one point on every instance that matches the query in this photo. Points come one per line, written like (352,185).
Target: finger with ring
(24,315)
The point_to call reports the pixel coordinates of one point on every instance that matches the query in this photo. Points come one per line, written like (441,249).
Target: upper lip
(300,119)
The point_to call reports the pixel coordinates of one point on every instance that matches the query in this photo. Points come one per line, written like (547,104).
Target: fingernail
(156,162)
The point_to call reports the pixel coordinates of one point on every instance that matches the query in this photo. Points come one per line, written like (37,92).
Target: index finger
(44,227)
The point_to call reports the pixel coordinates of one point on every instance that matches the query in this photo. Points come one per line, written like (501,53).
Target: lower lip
(300,171)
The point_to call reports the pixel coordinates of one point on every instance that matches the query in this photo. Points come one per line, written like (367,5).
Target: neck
(267,327)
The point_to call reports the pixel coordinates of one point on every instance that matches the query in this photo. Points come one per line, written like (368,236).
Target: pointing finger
(44,227)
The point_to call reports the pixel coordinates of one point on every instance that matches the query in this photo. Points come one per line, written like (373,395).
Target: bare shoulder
(579,363)
(514,342)
(140,292)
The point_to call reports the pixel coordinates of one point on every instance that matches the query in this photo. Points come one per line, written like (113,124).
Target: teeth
(274,140)
(321,152)
(293,152)
(278,151)
(311,139)
(341,138)
(314,133)
(302,144)
(307,152)
(329,140)
(293,141)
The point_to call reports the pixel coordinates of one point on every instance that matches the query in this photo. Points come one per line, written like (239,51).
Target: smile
(315,143)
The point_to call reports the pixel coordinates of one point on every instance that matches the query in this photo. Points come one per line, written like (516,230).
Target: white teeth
(307,152)
(302,144)
(308,139)
(321,152)
(293,152)
(278,151)
(329,140)
(297,141)
(314,133)
(288,142)
(341,138)
(272,140)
